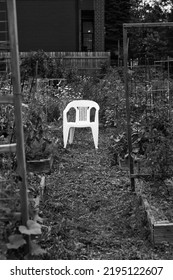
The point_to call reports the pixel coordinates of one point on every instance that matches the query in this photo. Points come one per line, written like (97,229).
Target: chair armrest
(96,115)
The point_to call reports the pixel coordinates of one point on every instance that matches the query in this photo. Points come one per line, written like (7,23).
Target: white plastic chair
(82,119)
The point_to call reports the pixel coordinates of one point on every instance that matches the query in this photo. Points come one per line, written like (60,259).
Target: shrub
(47,67)
(108,92)
(159,149)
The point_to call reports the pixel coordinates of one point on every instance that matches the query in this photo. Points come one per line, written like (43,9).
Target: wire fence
(148,78)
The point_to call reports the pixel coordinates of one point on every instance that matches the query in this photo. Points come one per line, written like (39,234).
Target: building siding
(48,25)
(55,25)
(86,4)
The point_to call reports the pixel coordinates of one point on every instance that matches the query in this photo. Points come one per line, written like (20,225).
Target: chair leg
(72,130)
(65,135)
(95,133)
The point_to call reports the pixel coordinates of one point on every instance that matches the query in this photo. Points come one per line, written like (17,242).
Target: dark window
(87,36)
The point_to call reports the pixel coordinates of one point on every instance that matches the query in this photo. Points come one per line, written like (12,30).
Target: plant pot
(41,165)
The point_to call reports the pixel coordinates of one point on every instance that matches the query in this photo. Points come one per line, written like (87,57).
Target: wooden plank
(79,60)
(89,68)
(42,186)
(39,166)
(163,232)
(6,148)
(144,176)
(148,24)
(86,57)
(125,55)
(160,231)
(7,99)
(150,216)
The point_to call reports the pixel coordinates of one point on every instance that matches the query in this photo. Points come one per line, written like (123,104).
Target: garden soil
(89,210)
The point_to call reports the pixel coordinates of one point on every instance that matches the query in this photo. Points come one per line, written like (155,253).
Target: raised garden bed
(43,164)
(159,215)
(40,165)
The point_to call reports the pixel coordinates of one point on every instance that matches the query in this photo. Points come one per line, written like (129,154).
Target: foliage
(119,12)
(150,11)
(160,146)
(14,232)
(76,221)
(6,121)
(83,219)
(31,228)
(116,13)
(43,107)
(151,134)
(34,131)
(71,75)
(17,240)
(108,92)
(150,42)
(39,63)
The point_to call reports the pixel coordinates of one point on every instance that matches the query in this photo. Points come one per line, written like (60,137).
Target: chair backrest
(83,109)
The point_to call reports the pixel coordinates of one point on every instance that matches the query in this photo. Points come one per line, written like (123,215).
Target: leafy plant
(160,147)
(17,240)
(40,64)
(32,228)
(108,92)
(38,143)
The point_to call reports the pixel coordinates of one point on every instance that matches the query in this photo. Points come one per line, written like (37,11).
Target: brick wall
(99,25)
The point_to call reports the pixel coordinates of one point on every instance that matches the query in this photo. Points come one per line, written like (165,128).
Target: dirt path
(89,208)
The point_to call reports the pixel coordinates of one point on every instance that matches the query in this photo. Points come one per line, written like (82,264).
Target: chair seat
(81,124)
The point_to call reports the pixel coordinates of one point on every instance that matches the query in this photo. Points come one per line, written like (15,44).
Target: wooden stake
(125,49)
(13,35)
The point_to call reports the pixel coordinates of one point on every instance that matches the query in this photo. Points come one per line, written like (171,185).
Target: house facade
(61,25)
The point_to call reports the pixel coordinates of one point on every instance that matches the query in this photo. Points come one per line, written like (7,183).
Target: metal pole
(21,162)
(125,50)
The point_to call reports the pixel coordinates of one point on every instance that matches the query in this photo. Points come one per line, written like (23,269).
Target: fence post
(125,51)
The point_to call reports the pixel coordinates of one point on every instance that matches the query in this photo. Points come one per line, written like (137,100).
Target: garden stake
(125,47)
(13,35)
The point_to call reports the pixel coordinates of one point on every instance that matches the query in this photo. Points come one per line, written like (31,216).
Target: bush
(108,92)
(159,149)
(47,67)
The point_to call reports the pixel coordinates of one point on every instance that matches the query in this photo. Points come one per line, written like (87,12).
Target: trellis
(131,86)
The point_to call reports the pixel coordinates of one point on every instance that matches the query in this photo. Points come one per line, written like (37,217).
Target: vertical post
(36,79)
(125,51)
(79,28)
(169,100)
(13,35)
(118,53)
